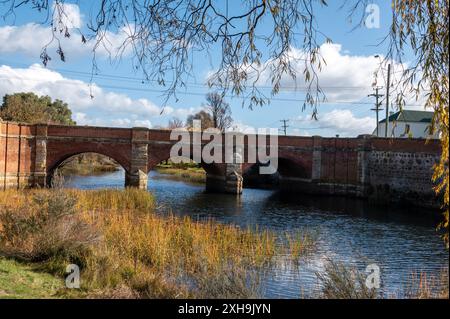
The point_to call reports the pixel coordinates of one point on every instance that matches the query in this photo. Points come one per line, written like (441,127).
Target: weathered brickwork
(377,168)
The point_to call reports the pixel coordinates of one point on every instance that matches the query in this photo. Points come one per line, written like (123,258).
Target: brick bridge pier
(377,168)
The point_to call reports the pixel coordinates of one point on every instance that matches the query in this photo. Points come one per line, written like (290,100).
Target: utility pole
(377,105)
(284,126)
(388,85)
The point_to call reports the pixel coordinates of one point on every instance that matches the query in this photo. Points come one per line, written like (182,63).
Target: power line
(141,80)
(117,87)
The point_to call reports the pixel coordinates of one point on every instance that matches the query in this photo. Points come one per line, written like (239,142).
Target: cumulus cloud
(105,108)
(338,121)
(85,119)
(350,78)
(182,113)
(344,77)
(67,14)
(31,38)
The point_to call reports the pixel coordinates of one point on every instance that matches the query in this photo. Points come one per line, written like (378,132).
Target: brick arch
(288,166)
(291,167)
(295,163)
(59,154)
(161,153)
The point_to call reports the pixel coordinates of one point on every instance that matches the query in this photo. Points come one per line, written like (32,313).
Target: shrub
(49,230)
(342,282)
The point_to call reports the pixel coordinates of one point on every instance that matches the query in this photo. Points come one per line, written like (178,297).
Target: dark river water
(399,241)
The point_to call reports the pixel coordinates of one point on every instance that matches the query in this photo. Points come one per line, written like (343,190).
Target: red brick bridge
(380,168)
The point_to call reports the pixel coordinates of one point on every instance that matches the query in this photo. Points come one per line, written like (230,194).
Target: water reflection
(351,230)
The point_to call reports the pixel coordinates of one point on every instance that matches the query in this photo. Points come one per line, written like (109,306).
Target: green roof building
(407,124)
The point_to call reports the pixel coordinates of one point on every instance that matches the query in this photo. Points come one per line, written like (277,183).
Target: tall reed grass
(124,249)
(427,286)
(340,281)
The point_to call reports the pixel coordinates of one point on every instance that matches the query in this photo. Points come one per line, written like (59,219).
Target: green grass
(21,281)
(191,174)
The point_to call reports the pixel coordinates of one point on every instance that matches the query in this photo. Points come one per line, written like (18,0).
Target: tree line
(34,109)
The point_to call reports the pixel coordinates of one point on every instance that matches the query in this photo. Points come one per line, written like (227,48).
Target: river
(399,241)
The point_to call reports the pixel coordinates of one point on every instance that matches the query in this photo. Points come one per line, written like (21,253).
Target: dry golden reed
(142,254)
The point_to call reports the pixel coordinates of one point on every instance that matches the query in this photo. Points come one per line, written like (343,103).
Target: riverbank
(125,250)
(89,164)
(190,173)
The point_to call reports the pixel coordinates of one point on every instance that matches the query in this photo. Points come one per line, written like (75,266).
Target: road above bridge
(382,169)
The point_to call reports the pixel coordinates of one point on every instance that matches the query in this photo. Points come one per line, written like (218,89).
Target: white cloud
(338,121)
(181,113)
(84,119)
(28,38)
(67,14)
(300,132)
(75,92)
(105,108)
(130,123)
(239,126)
(117,109)
(343,77)
(31,38)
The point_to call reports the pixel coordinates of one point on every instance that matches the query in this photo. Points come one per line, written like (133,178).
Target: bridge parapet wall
(61,131)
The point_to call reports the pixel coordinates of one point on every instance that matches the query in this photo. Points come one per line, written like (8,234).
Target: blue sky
(120,99)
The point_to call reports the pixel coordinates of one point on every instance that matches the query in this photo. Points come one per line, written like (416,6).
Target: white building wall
(397,129)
